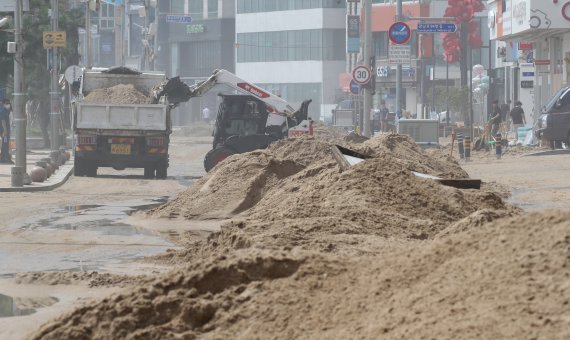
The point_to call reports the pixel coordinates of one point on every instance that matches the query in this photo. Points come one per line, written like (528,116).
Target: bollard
(467,147)
(498,146)
(55,158)
(17,176)
(460,145)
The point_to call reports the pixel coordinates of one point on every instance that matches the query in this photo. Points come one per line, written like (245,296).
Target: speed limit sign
(361,74)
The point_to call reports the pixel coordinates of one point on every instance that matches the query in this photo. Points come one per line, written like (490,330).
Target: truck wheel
(215,156)
(162,171)
(79,167)
(91,171)
(149,172)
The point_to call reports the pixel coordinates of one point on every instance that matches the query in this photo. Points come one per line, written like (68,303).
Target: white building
(295,49)
(535,48)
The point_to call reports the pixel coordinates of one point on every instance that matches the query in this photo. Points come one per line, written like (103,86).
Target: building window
(297,93)
(196,7)
(177,6)
(212,8)
(107,16)
(257,6)
(328,44)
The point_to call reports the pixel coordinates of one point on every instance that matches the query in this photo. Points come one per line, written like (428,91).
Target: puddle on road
(82,238)
(97,218)
(9,308)
(518,198)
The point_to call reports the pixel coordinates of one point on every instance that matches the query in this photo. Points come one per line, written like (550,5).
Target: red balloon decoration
(463,11)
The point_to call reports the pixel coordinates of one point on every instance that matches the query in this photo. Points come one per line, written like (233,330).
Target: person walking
(5,156)
(518,118)
(495,118)
(384,112)
(206,115)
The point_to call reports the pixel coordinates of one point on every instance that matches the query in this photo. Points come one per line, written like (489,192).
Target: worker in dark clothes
(517,116)
(5,156)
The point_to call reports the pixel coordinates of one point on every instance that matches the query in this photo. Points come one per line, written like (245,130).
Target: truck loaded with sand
(307,251)
(120,123)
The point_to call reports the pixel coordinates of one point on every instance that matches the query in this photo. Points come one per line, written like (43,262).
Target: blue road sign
(399,33)
(179,19)
(354,87)
(441,27)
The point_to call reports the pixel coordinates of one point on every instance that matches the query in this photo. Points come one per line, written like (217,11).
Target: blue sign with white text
(442,27)
(179,19)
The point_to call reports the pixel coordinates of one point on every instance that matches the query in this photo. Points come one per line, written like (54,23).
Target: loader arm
(173,89)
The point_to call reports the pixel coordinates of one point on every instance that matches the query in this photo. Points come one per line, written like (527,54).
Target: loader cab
(239,115)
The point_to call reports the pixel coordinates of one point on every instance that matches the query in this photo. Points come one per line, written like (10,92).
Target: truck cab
(554,122)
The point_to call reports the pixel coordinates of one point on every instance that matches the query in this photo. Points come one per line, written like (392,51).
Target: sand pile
(504,279)
(229,189)
(328,133)
(118,94)
(91,279)
(404,148)
(240,181)
(322,209)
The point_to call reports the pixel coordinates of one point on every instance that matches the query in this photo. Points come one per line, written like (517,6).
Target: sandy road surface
(536,182)
(111,197)
(83,226)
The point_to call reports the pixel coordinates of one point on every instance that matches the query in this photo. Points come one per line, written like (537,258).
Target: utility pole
(366,56)
(399,67)
(54,91)
(155,42)
(19,172)
(147,47)
(88,44)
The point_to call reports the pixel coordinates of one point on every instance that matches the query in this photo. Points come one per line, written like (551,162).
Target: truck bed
(122,116)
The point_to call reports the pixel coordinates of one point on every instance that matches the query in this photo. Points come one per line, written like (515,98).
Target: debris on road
(313,252)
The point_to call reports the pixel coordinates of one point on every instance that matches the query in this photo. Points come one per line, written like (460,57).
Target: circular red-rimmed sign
(399,33)
(361,74)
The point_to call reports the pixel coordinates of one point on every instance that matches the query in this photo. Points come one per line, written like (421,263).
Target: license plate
(121,149)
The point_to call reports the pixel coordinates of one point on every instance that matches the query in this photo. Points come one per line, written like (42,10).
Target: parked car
(554,122)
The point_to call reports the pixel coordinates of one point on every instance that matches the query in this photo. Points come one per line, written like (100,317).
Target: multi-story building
(193,50)
(533,53)
(293,48)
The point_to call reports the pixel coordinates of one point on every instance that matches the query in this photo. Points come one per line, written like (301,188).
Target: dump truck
(125,133)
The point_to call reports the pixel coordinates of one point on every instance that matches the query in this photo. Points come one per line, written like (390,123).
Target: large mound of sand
(118,94)
(504,279)
(241,181)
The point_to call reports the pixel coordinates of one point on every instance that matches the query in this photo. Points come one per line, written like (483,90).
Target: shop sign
(196,28)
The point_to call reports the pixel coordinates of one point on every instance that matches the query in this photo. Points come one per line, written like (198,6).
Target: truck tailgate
(122,117)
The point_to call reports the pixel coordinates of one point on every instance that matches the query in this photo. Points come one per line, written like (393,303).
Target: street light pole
(366,56)
(19,172)
(399,67)
(54,91)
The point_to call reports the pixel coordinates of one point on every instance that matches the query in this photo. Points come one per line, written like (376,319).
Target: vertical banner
(352,34)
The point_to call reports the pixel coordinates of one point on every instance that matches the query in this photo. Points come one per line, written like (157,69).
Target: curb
(62,175)
(550,152)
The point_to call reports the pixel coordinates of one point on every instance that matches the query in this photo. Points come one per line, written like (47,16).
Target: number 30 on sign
(361,74)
